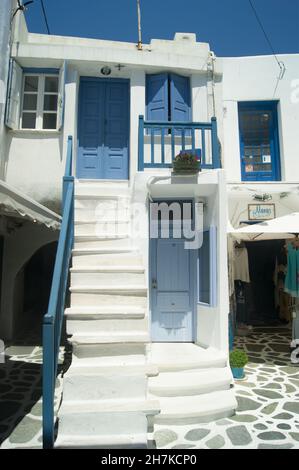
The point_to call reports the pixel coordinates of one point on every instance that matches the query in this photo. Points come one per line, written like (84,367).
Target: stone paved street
(267,416)
(268,411)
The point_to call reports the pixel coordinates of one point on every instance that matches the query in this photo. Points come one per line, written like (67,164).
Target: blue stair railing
(53,320)
(184,135)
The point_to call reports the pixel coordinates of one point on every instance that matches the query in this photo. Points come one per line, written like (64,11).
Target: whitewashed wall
(256,79)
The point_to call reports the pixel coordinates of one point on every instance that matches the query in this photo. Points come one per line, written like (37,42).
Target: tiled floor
(267,416)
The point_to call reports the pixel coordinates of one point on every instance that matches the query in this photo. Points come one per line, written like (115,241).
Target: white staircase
(193,385)
(105,399)
(119,383)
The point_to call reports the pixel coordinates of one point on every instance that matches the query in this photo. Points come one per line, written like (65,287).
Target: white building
(148,318)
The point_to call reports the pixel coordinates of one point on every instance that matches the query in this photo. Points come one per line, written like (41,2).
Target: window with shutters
(168,98)
(40,102)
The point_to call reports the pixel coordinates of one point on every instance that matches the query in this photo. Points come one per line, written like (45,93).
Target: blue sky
(228,25)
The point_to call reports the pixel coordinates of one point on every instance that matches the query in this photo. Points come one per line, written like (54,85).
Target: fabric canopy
(15,204)
(280,228)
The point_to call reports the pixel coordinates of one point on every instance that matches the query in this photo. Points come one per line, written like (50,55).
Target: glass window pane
(28,120)
(30,102)
(50,102)
(51,84)
(204,270)
(31,83)
(49,121)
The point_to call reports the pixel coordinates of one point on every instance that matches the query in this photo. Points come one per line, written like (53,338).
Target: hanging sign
(261,211)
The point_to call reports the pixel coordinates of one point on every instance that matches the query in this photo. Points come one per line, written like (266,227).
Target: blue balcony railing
(53,320)
(159,143)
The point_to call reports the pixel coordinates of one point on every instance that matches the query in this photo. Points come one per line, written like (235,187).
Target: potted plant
(238,360)
(186,162)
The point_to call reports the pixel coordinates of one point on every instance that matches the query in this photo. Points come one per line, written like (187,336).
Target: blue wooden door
(172,300)
(103,134)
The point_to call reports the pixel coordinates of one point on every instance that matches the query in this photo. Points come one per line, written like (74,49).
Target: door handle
(154,284)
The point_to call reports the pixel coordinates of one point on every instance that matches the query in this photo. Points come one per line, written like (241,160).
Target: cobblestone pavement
(20,397)
(268,402)
(267,415)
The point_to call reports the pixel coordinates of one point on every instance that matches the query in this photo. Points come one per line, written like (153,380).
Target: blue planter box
(238,372)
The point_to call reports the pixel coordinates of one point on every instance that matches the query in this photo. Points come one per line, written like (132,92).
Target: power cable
(45,16)
(280,64)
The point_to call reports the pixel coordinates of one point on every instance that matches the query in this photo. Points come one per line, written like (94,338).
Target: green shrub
(238,358)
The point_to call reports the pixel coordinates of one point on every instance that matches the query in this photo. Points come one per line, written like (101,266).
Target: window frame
(41,93)
(213,281)
(270,106)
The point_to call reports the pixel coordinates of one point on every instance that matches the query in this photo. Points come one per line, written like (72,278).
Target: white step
(107,355)
(102,430)
(98,189)
(90,367)
(110,338)
(78,388)
(147,406)
(181,356)
(107,312)
(97,276)
(97,326)
(102,227)
(112,257)
(102,243)
(95,298)
(194,382)
(196,409)
(110,289)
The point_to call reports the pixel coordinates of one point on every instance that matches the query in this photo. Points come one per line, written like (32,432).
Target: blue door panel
(103,134)
(180,98)
(172,301)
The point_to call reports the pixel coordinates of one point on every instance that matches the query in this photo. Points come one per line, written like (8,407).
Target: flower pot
(238,372)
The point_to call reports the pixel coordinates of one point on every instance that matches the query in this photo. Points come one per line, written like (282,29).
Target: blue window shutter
(157,97)
(180,98)
(61,96)
(14,93)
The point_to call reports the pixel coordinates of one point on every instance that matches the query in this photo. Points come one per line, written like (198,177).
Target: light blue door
(172,285)
(103,133)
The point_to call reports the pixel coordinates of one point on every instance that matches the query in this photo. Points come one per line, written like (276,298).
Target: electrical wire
(280,64)
(45,16)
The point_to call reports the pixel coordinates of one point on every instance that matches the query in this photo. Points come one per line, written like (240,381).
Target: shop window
(259,142)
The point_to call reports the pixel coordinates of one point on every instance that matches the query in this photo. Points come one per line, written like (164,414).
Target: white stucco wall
(256,79)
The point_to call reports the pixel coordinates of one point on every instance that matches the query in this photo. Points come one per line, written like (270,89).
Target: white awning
(14,203)
(279,228)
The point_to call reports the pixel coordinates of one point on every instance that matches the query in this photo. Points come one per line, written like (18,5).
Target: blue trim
(39,70)
(262,175)
(213,281)
(158,128)
(53,320)
(192,271)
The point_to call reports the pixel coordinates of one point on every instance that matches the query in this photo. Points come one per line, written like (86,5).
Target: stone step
(104,298)
(99,356)
(187,383)
(102,430)
(110,338)
(89,214)
(196,409)
(171,357)
(90,367)
(97,326)
(95,276)
(146,406)
(106,257)
(103,242)
(105,313)
(96,388)
(103,227)
(92,189)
